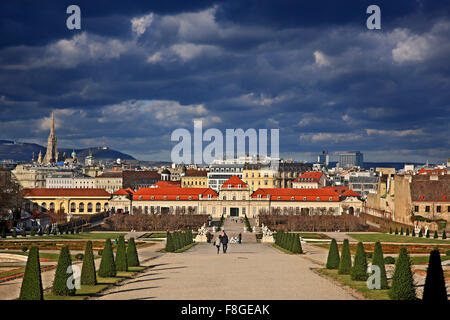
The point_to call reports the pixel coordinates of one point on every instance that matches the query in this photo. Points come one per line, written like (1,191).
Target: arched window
(52,206)
(44,206)
(89,207)
(98,207)
(81,207)
(73,207)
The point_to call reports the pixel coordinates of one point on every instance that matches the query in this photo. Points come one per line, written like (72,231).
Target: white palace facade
(236,199)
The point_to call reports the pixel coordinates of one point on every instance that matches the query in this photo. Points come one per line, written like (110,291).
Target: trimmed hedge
(121,255)
(60,287)
(32,282)
(434,289)
(132,254)
(359,270)
(333,256)
(107,266)
(345,265)
(88,275)
(402,281)
(378,260)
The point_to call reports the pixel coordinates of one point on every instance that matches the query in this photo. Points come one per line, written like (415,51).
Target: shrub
(60,287)
(24,249)
(31,288)
(121,256)
(40,233)
(390,230)
(396,231)
(32,232)
(296,245)
(401,231)
(24,232)
(3,232)
(14,233)
(107,265)
(100,252)
(389,260)
(420,233)
(132,254)
(79,256)
(379,261)
(359,270)
(427,234)
(333,256)
(435,235)
(444,236)
(88,275)
(434,289)
(345,264)
(47,232)
(170,246)
(407,231)
(402,281)
(413,233)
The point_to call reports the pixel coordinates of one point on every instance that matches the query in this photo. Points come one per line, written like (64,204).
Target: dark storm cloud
(136,71)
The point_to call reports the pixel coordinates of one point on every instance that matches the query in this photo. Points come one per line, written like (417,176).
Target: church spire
(51,155)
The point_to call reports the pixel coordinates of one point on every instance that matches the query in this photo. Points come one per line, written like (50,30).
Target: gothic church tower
(51,156)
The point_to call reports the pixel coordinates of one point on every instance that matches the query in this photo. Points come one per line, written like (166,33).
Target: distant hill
(22,151)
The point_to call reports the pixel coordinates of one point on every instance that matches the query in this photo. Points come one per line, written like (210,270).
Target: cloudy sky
(137,70)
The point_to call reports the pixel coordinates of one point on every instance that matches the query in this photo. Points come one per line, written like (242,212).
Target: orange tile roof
(310,176)
(166,184)
(432,171)
(69,192)
(173,193)
(234,183)
(122,192)
(288,194)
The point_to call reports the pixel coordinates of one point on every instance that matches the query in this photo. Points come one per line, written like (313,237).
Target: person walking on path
(240,238)
(224,242)
(217,243)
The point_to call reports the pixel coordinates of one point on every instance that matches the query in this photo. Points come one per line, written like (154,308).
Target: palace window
(416,208)
(72,207)
(427,209)
(89,207)
(438,209)
(81,207)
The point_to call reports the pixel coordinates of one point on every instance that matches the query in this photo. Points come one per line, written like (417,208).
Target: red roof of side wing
(287,194)
(173,193)
(310,176)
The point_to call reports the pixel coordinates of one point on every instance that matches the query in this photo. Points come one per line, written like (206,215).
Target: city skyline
(132,75)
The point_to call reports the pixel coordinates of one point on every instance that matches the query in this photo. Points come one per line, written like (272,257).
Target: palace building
(235,198)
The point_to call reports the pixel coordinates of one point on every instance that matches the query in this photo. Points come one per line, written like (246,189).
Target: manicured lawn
(102,283)
(43,255)
(186,247)
(84,235)
(361,286)
(308,235)
(385,237)
(157,235)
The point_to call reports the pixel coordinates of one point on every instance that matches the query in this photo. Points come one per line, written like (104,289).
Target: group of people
(223,240)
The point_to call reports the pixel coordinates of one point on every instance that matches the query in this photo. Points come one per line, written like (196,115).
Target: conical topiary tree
(407,231)
(296,245)
(396,231)
(32,232)
(434,290)
(402,287)
(427,234)
(378,260)
(107,265)
(413,233)
(435,236)
(390,230)
(170,246)
(24,232)
(32,282)
(121,256)
(401,231)
(14,233)
(88,274)
(345,264)
(3,232)
(333,256)
(60,287)
(420,233)
(444,236)
(359,270)
(132,254)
